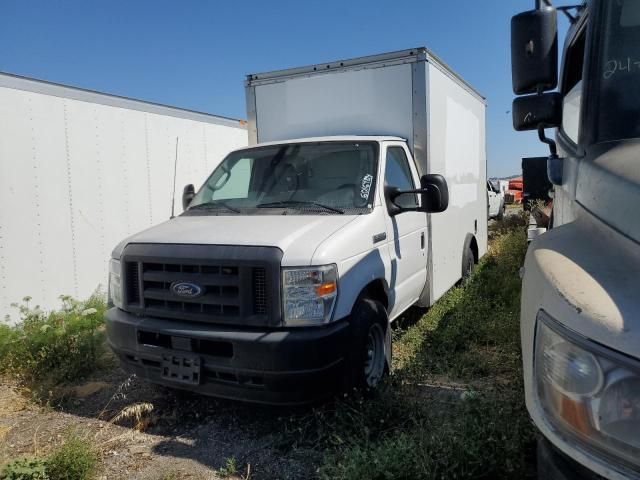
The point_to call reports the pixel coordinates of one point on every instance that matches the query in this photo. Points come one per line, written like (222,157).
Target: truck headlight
(115,283)
(309,294)
(588,391)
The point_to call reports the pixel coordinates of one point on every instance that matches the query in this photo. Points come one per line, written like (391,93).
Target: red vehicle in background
(514,193)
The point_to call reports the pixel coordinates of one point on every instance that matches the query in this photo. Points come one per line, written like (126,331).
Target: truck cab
(279,281)
(579,314)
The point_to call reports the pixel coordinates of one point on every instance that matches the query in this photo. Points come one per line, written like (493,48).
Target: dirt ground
(185,436)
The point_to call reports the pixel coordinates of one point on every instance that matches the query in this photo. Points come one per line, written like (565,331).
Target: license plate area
(181,369)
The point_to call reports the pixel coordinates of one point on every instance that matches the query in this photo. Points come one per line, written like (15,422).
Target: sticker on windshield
(367,180)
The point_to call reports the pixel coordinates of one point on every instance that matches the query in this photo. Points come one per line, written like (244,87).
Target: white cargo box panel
(82,170)
(411,94)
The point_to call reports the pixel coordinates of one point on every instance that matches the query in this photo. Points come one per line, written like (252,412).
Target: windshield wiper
(214,204)
(299,203)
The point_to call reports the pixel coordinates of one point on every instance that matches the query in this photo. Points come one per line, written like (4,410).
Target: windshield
(323,177)
(619,71)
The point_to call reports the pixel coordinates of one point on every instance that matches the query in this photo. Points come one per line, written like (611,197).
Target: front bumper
(554,465)
(285,366)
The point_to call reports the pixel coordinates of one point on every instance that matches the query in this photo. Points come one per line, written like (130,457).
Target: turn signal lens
(326,288)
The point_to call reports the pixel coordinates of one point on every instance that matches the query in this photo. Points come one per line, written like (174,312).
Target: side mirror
(187,195)
(534,110)
(434,195)
(534,51)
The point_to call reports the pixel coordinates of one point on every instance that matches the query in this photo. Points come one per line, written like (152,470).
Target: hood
(589,272)
(298,236)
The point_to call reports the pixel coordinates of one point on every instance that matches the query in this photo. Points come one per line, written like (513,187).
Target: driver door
(407,232)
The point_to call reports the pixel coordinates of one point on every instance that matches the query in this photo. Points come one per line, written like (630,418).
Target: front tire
(369,352)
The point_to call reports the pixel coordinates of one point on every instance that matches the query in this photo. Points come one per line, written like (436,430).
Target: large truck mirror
(187,195)
(534,51)
(436,193)
(433,191)
(534,110)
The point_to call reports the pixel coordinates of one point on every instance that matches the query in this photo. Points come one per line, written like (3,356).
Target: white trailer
(80,170)
(279,282)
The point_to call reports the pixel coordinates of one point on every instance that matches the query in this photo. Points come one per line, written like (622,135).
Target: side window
(398,174)
(235,182)
(572,87)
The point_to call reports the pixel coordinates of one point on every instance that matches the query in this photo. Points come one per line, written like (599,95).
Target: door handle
(422,240)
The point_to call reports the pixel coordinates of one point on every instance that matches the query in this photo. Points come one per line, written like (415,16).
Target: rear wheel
(367,359)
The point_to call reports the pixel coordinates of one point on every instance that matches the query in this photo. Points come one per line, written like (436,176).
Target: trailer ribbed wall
(80,171)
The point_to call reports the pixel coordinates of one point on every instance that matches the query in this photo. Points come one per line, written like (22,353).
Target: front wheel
(367,361)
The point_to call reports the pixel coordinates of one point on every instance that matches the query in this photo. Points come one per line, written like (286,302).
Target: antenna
(175,172)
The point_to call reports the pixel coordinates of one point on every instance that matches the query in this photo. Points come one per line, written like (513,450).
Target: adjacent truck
(580,315)
(363,193)
(495,199)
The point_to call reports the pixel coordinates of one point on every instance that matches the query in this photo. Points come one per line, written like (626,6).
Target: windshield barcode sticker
(367,180)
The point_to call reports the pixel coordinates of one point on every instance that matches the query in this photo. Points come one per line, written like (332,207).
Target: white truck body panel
(410,94)
(457,150)
(79,171)
(341,104)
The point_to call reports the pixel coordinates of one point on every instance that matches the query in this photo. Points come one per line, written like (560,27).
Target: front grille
(220,285)
(235,289)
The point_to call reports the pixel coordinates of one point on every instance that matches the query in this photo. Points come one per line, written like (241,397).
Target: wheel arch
(375,290)
(471,242)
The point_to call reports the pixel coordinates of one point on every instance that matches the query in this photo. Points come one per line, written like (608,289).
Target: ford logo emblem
(186,289)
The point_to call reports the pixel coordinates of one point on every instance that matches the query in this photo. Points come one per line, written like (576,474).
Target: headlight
(115,283)
(588,391)
(309,294)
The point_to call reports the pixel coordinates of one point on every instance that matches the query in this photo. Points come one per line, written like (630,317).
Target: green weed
(24,468)
(74,460)
(48,348)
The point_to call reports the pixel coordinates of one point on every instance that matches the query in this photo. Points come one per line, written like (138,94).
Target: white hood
(298,236)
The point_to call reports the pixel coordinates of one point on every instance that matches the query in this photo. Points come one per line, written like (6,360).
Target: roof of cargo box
(384,59)
(18,82)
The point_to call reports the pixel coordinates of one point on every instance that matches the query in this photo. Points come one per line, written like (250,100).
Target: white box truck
(364,193)
(580,310)
(79,170)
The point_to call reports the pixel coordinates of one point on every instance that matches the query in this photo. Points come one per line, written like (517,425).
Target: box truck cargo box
(363,193)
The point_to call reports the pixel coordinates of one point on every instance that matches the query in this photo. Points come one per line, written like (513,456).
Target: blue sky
(195,53)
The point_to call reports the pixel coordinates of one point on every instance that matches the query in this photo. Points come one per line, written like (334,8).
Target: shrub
(54,347)
(24,468)
(74,460)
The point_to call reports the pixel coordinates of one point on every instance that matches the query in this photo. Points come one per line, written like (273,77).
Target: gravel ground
(185,436)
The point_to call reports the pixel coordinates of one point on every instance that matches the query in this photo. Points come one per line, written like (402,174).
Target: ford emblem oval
(186,289)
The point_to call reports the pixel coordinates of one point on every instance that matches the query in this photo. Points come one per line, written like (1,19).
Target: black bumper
(555,465)
(285,366)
